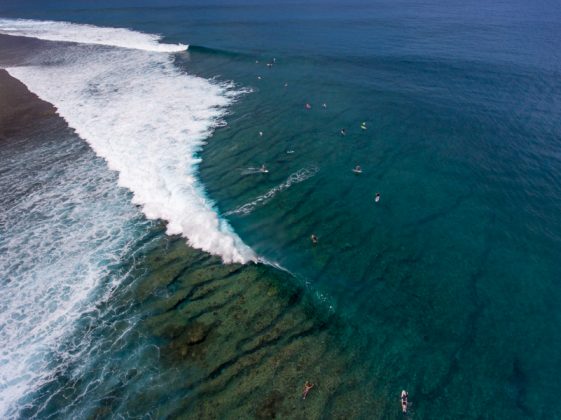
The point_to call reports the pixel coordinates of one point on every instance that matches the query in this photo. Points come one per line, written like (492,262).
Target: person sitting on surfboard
(343,132)
(308,106)
(404,403)
(314,239)
(357,169)
(363,126)
(377,197)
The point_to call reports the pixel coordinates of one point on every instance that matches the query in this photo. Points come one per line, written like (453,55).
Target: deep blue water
(450,286)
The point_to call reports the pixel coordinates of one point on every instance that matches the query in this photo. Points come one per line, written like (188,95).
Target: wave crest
(86,34)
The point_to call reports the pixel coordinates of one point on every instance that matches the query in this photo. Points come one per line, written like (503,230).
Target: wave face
(142,114)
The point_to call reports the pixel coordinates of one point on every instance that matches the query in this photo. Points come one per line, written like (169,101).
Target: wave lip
(87,34)
(148,120)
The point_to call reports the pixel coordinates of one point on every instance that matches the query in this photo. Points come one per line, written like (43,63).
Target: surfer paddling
(307,387)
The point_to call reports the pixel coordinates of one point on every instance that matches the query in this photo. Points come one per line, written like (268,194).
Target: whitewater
(86,34)
(120,91)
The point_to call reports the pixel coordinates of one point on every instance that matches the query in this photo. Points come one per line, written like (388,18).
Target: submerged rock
(270,406)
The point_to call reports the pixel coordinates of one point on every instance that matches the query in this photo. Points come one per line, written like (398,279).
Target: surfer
(269,65)
(285,84)
(289,151)
(357,169)
(343,132)
(260,134)
(263,169)
(258,77)
(377,197)
(307,387)
(324,105)
(314,239)
(363,126)
(404,403)
(308,106)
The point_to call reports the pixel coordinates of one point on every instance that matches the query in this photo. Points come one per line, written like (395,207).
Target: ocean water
(123,293)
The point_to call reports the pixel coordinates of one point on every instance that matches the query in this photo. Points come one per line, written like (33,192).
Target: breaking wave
(142,114)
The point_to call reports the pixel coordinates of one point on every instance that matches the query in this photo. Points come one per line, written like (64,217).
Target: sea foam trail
(143,115)
(294,178)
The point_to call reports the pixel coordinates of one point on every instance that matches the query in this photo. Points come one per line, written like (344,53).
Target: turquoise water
(448,287)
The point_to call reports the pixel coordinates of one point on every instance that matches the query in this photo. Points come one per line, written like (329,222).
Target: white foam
(294,178)
(86,34)
(148,120)
(59,243)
